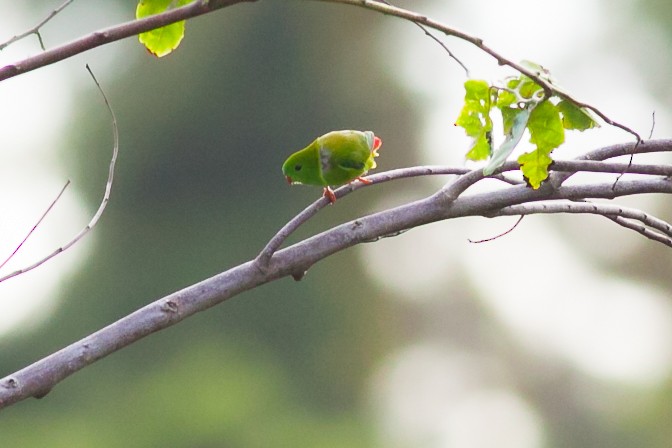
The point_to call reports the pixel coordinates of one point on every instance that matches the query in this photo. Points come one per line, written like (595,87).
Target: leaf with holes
(475,118)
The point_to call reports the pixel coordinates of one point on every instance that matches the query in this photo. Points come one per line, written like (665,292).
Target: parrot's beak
(289,180)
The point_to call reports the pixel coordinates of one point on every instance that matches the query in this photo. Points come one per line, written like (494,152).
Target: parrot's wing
(350,164)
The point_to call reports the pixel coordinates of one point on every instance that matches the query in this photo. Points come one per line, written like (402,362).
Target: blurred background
(559,334)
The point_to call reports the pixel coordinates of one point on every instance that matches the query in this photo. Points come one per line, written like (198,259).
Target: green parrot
(334,159)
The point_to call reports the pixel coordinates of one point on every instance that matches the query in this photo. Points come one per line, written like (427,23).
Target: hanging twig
(103,203)
(486,240)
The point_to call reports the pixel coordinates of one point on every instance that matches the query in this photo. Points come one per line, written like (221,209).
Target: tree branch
(621,215)
(548,87)
(113,34)
(271,264)
(38,378)
(201,7)
(36,29)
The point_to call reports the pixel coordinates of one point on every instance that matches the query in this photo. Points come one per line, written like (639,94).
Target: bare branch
(662,231)
(271,264)
(274,244)
(36,29)
(103,203)
(201,7)
(549,88)
(451,190)
(46,212)
(575,166)
(643,230)
(594,208)
(38,378)
(114,34)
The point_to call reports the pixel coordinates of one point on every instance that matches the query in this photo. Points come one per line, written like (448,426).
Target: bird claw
(329,194)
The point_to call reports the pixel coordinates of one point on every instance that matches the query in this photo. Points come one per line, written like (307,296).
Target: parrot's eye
(297,167)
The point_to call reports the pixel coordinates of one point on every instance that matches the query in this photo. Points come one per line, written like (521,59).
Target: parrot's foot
(329,194)
(365,181)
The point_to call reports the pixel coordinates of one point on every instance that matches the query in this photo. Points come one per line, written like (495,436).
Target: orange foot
(329,194)
(364,181)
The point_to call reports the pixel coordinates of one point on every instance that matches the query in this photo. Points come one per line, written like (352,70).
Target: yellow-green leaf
(164,40)
(545,127)
(574,117)
(534,166)
(547,133)
(475,118)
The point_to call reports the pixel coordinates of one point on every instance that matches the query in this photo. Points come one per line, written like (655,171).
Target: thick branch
(450,202)
(38,378)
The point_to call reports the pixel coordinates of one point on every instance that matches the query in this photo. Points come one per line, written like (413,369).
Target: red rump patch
(377,142)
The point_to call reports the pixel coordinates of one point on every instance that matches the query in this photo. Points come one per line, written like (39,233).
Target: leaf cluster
(523,105)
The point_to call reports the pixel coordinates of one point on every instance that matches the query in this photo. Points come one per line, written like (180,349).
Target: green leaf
(534,166)
(475,118)
(481,148)
(547,133)
(508,115)
(574,117)
(164,40)
(545,127)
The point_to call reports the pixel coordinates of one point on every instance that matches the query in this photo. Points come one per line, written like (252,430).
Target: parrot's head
(292,170)
(302,167)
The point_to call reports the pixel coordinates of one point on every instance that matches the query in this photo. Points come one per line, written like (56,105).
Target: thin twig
(557,178)
(642,229)
(36,29)
(103,203)
(487,240)
(46,212)
(616,213)
(549,88)
(575,166)
(438,41)
(201,7)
